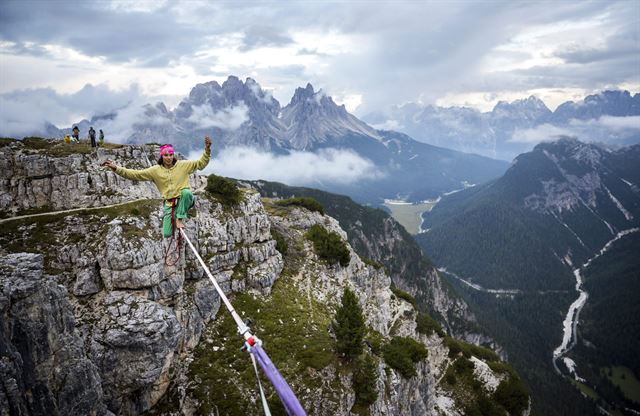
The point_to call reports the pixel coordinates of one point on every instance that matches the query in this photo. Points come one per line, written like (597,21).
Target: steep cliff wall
(95,322)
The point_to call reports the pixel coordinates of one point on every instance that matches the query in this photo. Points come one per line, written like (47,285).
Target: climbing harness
(178,240)
(254,346)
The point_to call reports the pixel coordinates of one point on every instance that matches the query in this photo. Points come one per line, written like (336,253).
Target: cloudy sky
(70,59)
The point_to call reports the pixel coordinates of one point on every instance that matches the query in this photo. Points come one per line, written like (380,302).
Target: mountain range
(512,128)
(415,150)
(242,114)
(554,234)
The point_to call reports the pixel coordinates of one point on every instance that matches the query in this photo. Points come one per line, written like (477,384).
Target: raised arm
(193,165)
(133,174)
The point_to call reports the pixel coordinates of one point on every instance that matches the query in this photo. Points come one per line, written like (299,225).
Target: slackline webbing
(253,344)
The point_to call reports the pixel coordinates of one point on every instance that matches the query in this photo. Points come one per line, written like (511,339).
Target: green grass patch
(304,202)
(586,390)
(37,143)
(41,234)
(110,146)
(32,211)
(626,380)
(131,232)
(456,347)
(328,245)
(6,141)
(404,295)
(409,215)
(295,335)
(376,265)
(57,148)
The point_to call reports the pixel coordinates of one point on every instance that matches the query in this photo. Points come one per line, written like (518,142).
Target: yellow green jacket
(169,181)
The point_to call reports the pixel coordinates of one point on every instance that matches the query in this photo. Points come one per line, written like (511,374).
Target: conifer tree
(364,382)
(349,326)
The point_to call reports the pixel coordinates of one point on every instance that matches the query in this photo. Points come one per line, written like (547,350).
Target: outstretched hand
(207,143)
(109,164)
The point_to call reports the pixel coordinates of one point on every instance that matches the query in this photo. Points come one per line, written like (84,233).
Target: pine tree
(349,326)
(364,382)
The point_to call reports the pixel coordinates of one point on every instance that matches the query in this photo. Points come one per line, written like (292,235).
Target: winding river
(570,323)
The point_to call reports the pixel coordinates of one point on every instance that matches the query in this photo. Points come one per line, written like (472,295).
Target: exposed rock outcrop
(103,317)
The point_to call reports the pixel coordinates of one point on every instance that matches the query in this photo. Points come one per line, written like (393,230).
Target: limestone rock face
(121,307)
(39,180)
(423,282)
(42,351)
(133,345)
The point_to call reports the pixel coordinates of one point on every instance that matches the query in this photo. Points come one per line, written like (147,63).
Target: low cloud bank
(605,129)
(296,168)
(229,118)
(26,112)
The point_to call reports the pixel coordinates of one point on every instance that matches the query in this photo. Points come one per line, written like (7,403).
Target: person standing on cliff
(92,136)
(171,176)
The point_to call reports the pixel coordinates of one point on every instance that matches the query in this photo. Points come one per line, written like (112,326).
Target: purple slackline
(289,399)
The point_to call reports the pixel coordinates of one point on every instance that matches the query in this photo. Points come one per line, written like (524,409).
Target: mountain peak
(531,103)
(570,148)
(232,82)
(303,94)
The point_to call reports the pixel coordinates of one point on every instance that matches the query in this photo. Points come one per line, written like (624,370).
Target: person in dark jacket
(75,136)
(92,137)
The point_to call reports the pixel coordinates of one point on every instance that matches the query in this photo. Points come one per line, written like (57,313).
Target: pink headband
(166,148)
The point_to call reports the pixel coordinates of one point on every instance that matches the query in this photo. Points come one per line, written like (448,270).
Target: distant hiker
(92,136)
(76,134)
(101,139)
(171,176)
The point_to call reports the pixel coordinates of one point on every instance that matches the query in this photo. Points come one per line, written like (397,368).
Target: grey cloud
(97,31)
(307,51)
(623,44)
(597,75)
(227,119)
(22,48)
(607,129)
(258,36)
(21,110)
(413,50)
(296,168)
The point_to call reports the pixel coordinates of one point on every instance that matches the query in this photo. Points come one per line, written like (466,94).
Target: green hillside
(375,235)
(555,208)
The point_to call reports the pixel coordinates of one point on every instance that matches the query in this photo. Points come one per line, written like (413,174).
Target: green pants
(184,203)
